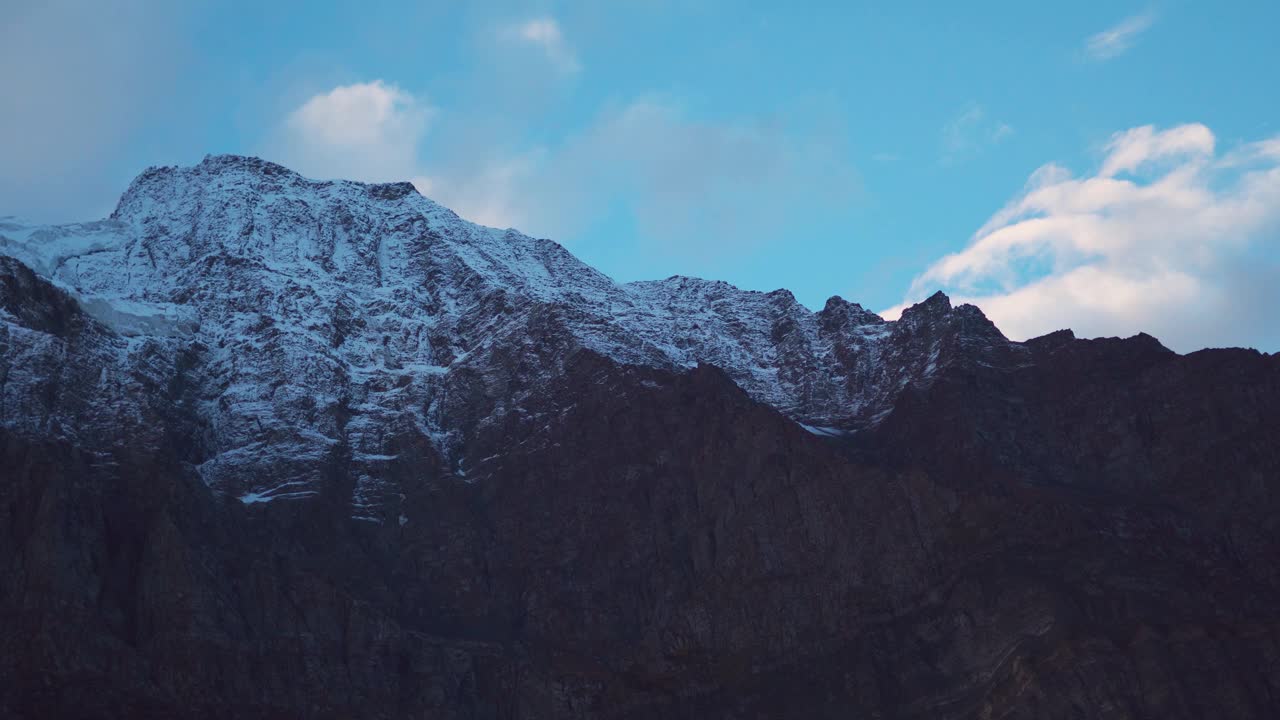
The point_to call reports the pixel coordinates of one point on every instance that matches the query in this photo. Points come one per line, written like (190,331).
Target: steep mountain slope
(319,313)
(284,448)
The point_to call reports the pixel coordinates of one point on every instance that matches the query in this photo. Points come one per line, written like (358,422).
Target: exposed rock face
(282,448)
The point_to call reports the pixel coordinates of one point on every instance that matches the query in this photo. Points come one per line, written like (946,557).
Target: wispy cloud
(970,132)
(1169,237)
(1119,38)
(544,33)
(688,184)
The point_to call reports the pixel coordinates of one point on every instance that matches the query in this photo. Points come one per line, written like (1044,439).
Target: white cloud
(544,33)
(1129,150)
(365,131)
(1119,38)
(970,132)
(1181,247)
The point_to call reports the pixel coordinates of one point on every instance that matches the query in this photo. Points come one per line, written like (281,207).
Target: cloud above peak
(544,33)
(1117,39)
(1168,237)
(364,131)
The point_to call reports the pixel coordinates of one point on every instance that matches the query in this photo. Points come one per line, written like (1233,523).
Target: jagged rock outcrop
(276,447)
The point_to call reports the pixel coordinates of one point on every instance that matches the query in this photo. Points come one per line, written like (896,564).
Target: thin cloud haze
(690,185)
(1118,39)
(970,132)
(73,104)
(544,33)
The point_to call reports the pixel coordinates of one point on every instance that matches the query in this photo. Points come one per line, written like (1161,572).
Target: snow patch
(274,493)
(135,317)
(823,430)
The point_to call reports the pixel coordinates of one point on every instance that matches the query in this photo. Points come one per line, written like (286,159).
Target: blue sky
(1101,165)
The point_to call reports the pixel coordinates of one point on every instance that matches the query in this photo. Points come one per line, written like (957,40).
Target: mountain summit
(274,447)
(317,314)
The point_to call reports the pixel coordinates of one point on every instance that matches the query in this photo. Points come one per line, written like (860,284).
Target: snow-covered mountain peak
(312,315)
(230,174)
(358,234)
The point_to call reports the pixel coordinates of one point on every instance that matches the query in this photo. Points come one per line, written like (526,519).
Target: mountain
(279,447)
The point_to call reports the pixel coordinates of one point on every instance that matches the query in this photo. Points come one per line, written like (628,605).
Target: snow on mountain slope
(320,319)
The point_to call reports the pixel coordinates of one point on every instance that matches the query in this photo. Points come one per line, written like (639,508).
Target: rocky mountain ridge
(309,314)
(276,448)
